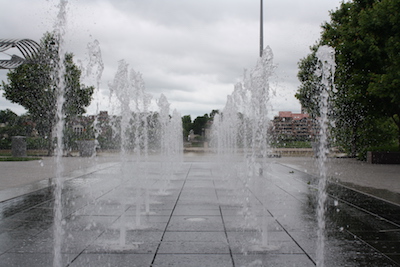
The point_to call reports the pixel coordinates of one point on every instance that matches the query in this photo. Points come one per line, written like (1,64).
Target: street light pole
(261,29)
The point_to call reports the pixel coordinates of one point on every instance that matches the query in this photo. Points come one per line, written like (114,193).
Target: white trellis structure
(28,48)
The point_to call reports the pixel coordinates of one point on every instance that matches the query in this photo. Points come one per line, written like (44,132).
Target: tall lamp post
(261,29)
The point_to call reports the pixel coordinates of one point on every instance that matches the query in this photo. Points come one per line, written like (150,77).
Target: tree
(199,124)
(366,37)
(13,125)
(9,121)
(213,113)
(307,91)
(33,86)
(8,117)
(187,125)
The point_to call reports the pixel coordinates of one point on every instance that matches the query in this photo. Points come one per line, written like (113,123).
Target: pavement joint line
(170,217)
(99,235)
(287,192)
(295,241)
(365,210)
(364,193)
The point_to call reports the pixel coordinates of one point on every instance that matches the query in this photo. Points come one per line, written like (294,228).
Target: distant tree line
(13,125)
(108,130)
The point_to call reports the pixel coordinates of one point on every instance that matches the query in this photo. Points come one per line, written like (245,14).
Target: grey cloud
(192,51)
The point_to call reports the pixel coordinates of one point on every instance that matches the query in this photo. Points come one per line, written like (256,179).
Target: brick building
(293,126)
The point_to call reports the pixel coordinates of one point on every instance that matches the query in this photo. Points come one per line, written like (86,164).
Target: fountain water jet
(58,78)
(326,72)
(129,89)
(171,142)
(243,127)
(94,71)
(136,124)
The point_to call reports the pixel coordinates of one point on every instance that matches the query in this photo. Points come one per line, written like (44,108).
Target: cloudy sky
(191,51)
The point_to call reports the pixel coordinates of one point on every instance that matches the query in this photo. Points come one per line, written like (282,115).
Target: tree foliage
(187,125)
(366,37)
(34,86)
(13,125)
(307,92)
(199,124)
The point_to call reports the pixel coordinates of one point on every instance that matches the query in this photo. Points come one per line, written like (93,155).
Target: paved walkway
(200,213)
(380,180)
(21,177)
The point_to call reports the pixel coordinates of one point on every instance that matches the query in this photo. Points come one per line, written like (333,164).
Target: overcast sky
(191,51)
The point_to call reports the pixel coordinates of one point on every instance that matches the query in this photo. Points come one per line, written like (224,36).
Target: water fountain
(170,142)
(93,73)
(326,73)
(240,136)
(242,129)
(129,90)
(58,77)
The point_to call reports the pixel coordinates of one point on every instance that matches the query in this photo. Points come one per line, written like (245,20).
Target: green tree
(308,89)
(187,125)
(33,86)
(199,124)
(13,125)
(8,117)
(9,120)
(213,113)
(366,37)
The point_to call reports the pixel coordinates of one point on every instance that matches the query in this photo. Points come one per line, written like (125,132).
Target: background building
(293,126)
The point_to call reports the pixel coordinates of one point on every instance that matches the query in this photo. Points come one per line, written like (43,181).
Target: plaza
(200,215)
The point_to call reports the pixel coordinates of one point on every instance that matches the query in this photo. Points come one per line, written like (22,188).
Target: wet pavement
(201,213)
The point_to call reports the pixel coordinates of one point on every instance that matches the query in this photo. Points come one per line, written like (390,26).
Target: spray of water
(164,122)
(120,87)
(128,89)
(243,128)
(58,77)
(326,71)
(94,71)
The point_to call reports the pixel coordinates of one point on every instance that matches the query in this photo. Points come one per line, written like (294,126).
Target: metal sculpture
(28,48)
